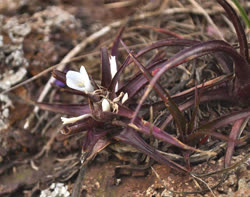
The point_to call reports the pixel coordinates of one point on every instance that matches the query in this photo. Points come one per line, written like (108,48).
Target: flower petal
(105,105)
(125,98)
(88,85)
(74,119)
(75,80)
(84,73)
(79,80)
(113,69)
(113,66)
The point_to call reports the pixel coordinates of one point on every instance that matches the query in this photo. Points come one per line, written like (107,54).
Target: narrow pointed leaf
(105,67)
(238,28)
(136,83)
(92,136)
(145,127)
(98,147)
(67,109)
(114,50)
(192,122)
(79,126)
(72,91)
(208,84)
(211,95)
(195,137)
(130,137)
(236,129)
(224,120)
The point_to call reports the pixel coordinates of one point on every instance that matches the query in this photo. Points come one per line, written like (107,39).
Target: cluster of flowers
(80,81)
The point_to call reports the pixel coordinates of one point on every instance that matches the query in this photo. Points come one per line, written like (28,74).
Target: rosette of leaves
(107,115)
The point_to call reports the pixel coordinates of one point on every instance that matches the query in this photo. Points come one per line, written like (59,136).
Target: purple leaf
(105,67)
(211,95)
(231,144)
(128,136)
(238,28)
(145,128)
(114,51)
(80,126)
(91,138)
(99,146)
(224,120)
(68,109)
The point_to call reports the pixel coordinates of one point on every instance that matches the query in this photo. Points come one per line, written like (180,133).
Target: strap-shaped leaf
(237,128)
(105,67)
(67,109)
(79,126)
(145,127)
(238,28)
(193,121)
(114,50)
(224,120)
(220,93)
(129,136)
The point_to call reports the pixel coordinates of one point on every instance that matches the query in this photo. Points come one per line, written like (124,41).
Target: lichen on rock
(5,107)
(13,63)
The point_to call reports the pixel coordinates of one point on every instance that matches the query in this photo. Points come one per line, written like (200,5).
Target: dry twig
(204,12)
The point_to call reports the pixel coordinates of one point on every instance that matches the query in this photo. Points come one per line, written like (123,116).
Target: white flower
(113,69)
(125,98)
(105,105)
(79,80)
(74,119)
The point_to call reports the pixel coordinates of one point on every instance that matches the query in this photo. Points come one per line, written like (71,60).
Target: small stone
(118,181)
(213,162)
(5,113)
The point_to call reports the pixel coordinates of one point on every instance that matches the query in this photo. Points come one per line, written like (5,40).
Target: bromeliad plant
(109,113)
(107,116)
